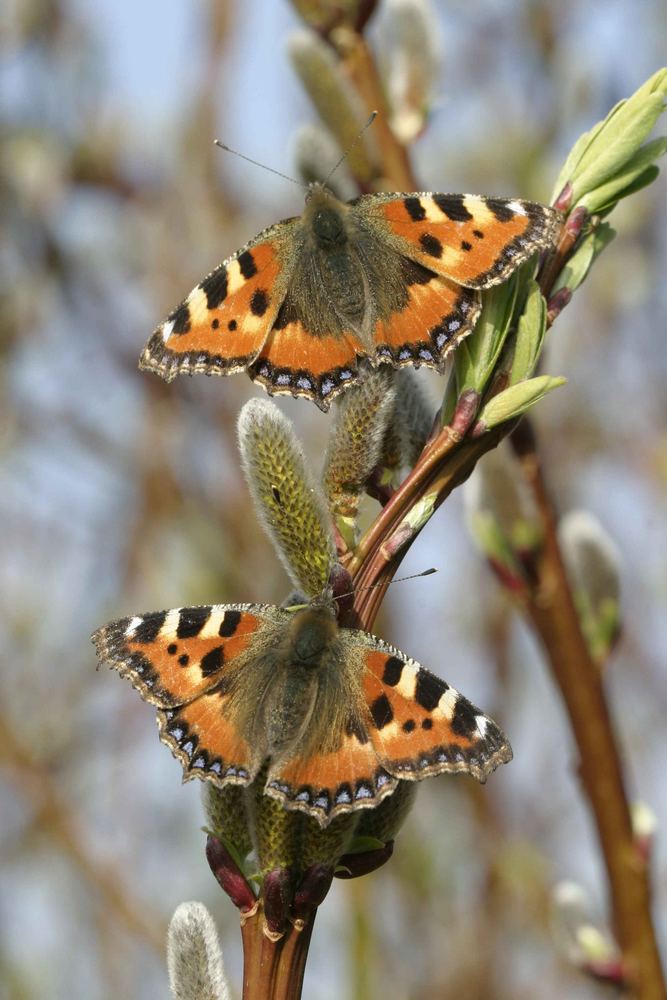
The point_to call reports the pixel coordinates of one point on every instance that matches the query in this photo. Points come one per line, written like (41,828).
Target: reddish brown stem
(273,967)
(359,65)
(552,611)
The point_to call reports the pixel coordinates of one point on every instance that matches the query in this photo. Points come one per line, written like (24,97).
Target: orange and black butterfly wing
(222,325)
(306,357)
(420,726)
(449,247)
(184,661)
(435,317)
(328,784)
(472,240)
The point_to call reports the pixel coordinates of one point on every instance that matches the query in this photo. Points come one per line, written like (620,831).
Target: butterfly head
(310,634)
(325,215)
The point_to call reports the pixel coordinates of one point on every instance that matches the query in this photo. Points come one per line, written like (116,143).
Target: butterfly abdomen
(288,710)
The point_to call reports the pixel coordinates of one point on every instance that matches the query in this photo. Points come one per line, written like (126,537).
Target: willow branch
(550,607)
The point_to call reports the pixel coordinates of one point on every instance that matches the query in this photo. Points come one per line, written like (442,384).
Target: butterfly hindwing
(316,367)
(203,738)
(473,240)
(326,785)
(221,326)
(420,726)
(436,316)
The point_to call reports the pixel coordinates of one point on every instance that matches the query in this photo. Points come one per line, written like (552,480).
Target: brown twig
(358,63)
(551,609)
(273,967)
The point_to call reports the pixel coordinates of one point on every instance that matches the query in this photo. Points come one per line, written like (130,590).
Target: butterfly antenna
(256,163)
(347,152)
(399,579)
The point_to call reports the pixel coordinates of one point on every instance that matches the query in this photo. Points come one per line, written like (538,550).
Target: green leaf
(516,399)
(644,179)
(476,356)
(609,148)
(605,196)
(361,845)
(580,263)
(529,335)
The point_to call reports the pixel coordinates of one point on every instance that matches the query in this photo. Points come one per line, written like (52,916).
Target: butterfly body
(314,300)
(337,715)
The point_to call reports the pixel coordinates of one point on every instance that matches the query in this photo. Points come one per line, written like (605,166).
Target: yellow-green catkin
(315,154)
(325,845)
(355,443)
(277,832)
(334,98)
(384,822)
(288,501)
(410,424)
(226,816)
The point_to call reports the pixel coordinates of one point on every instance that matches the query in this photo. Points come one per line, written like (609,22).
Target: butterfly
(339,715)
(312,301)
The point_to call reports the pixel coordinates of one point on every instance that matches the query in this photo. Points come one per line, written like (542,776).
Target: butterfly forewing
(420,726)
(173,657)
(221,326)
(474,241)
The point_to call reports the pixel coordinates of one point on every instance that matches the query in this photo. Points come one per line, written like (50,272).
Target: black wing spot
(500,210)
(286,314)
(184,659)
(214,287)
(478,234)
(465,245)
(381,711)
(431,245)
(247,264)
(428,690)
(452,206)
(180,317)
(149,627)
(393,669)
(354,727)
(212,661)
(259,303)
(229,623)
(191,621)
(415,209)
(232,325)
(464,720)
(172,648)
(414,273)
(409,726)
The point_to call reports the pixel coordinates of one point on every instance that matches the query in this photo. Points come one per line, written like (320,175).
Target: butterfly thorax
(338,283)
